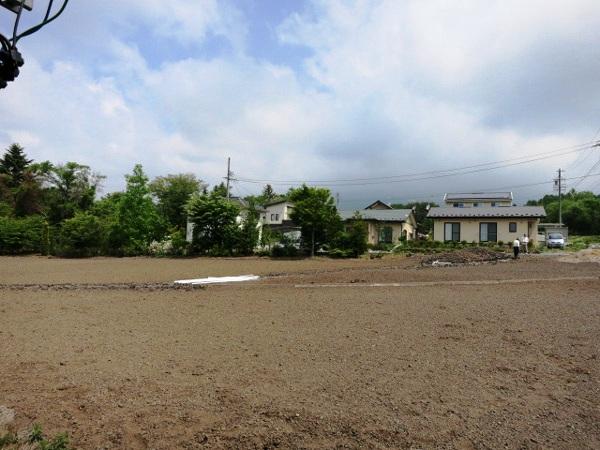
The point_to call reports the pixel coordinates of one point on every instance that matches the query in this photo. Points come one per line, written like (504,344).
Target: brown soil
(269,365)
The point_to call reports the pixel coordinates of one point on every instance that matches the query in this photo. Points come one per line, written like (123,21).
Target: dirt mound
(474,255)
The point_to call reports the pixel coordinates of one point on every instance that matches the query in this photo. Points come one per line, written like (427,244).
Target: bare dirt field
(316,354)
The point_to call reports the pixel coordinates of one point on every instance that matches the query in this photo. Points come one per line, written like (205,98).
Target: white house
(277,212)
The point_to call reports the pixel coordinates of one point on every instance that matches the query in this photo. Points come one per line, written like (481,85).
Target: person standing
(516,247)
(526,243)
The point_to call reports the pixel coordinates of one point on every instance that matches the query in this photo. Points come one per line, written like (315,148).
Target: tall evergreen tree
(268,193)
(14,164)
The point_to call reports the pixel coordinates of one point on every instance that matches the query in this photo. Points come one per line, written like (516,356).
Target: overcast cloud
(314,90)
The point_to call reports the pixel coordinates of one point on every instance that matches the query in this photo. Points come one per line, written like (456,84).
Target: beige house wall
(410,229)
(469,228)
(397,229)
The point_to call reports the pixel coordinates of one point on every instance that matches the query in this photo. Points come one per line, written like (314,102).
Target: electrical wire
(17,20)
(47,19)
(430,174)
(580,160)
(48,9)
(596,165)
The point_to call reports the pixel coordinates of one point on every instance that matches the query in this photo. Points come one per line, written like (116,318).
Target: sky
(319,91)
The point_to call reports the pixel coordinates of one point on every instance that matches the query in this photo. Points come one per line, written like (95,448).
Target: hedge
(22,235)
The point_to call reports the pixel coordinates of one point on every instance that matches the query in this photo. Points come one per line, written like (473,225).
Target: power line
(430,174)
(503,188)
(594,166)
(579,161)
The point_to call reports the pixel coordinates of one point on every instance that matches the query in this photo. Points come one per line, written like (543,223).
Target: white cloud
(395,88)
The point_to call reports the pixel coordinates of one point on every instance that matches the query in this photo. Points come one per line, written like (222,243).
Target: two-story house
(484,217)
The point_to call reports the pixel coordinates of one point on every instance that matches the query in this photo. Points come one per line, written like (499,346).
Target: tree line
(53,209)
(580,211)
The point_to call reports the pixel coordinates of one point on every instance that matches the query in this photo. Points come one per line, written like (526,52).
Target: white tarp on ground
(212,280)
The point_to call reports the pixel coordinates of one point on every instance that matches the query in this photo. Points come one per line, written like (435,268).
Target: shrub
(81,236)
(21,236)
(342,253)
(180,245)
(283,251)
(353,241)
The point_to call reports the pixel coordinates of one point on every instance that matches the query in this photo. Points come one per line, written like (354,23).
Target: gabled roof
(488,211)
(387,215)
(378,204)
(277,202)
(490,196)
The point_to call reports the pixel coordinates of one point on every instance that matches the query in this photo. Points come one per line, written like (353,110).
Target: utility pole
(228,177)
(559,186)
(337,200)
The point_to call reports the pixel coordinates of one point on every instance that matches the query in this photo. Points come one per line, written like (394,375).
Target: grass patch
(36,439)
(576,243)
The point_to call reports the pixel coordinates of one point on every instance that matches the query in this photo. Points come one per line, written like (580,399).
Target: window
(276,217)
(459,205)
(385,235)
(272,217)
(512,227)
(493,204)
(475,205)
(452,231)
(488,232)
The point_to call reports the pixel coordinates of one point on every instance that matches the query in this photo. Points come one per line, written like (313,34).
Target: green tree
(354,238)
(268,194)
(20,183)
(249,230)
(107,207)
(137,222)
(219,190)
(14,164)
(315,212)
(580,211)
(71,188)
(172,194)
(215,227)
(424,225)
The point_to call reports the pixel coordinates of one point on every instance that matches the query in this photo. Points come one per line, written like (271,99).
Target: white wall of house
(277,213)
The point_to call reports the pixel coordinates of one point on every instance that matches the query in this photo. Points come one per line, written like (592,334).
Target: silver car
(555,240)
